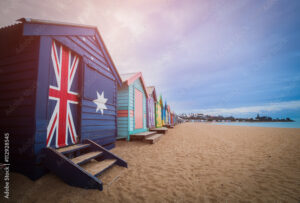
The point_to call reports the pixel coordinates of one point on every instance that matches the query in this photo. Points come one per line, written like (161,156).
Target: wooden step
(154,138)
(72,148)
(160,130)
(86,157)
(96,168)
(169,126)
(83,175)
(142,136)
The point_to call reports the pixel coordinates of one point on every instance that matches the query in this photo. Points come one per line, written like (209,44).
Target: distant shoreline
(277,124)
(248,121)
(208,118)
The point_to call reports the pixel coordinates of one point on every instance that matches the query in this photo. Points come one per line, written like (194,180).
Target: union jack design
(61,125)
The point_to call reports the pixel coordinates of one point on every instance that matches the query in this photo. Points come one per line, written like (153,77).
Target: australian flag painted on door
(62,129)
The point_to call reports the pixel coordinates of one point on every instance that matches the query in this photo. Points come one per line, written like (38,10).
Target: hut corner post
(42,95)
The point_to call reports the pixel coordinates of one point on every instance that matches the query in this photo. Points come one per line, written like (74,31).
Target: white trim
(55,112)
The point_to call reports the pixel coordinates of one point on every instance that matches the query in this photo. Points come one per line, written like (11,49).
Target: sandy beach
(192,163)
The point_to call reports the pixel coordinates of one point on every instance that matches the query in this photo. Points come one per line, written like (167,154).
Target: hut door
(138,109)
(63,110)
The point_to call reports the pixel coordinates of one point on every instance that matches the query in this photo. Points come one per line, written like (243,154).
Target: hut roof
(151,90)
(126,76)
(37,27)
(129,78)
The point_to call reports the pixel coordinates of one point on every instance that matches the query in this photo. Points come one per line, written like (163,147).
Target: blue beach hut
(58,100)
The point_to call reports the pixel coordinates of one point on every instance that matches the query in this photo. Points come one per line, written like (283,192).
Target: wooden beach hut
(159,118)
(158,113)
(131,104)
(172,119)
(151,101)
(169,115)
(166,114)
(163,111)
(58,100)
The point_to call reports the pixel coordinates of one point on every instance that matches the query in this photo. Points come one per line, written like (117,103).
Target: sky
(235,57)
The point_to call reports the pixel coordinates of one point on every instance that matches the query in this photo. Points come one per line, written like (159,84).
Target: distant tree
(288,119)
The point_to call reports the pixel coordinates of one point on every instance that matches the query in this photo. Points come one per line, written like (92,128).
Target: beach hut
(172,118)
(158,114)
(58,100)
(176,119)
(169,115)
(131,105)
(163,111)
(166,113)
(151,101)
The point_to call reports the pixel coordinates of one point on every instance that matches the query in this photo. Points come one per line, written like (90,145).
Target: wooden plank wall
(122,105)
(97,76)
(18,73)
(150,112)
(138,85)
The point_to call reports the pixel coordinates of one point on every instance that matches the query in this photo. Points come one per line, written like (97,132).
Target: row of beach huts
(63,103)
(140,113)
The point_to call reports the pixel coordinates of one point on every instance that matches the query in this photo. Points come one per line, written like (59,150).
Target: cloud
(271,107)
(198,54)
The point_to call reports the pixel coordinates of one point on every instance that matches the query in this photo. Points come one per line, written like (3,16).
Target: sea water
(295,124)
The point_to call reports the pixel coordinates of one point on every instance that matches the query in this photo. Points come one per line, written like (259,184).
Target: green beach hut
(131,105)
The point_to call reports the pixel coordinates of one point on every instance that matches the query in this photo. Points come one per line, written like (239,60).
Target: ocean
(295,124)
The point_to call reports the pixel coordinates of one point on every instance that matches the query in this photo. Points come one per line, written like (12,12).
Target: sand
(192,163)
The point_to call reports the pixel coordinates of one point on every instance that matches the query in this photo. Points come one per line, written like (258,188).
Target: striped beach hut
(131,105)
(151,101)
(58,100)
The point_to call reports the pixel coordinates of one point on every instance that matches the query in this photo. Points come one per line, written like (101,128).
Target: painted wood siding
(158,112)
(131,107)
(88,49)
(167,116)
(150,112)
(138,85)
(95,125)
(122,105)
(97,77)
(18,73)
(138,109)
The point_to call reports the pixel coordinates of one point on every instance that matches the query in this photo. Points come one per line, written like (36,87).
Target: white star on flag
(100,102)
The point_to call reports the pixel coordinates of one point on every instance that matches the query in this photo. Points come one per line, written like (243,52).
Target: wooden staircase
(79,165)
(149,137)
